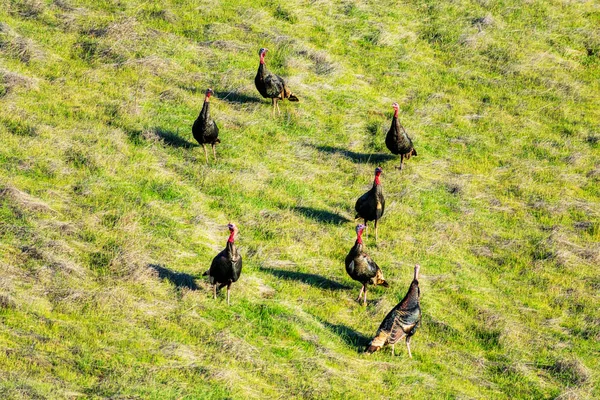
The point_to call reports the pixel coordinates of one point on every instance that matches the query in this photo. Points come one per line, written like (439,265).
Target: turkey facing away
(361,267)
(370,206)
(397,140)
(226,267)
(205,130)
(402,321)
(271,86)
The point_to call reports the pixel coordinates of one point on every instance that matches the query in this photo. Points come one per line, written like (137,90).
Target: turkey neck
(205,108)
(262,69)
(411,300)
(231,249)
(377,186)
(358,245)
(402,137)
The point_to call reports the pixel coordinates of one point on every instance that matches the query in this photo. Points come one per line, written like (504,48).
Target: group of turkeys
(403,320)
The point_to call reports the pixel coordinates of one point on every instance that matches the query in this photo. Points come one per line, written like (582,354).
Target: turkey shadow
(361,158)
(179,279)
(173,139)
(321,215)
(351,337)
(310,279)
(236,97)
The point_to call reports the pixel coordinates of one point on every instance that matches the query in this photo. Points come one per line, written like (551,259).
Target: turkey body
(205,130)
(401,322)
(225,268)
(271,86)
(363,269)
(398,142)
(371,205)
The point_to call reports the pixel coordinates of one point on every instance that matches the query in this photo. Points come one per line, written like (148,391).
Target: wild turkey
(271,86)
(397,140)
(370,206)
(205,130)
(361,267)
(402,321)
(226,267)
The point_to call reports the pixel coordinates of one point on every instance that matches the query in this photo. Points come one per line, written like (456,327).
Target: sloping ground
(109,214)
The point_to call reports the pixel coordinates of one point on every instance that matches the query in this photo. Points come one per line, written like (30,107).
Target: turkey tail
(377,342)
(292,97)
(372,349)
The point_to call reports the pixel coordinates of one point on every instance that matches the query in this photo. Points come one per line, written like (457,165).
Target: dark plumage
(226,267)
(370,206)
(361,267)
(271,86)
(402,321)
(205,130)
(397,140)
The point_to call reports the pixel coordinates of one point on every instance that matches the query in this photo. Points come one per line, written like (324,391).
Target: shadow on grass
(361,158)
(351,337)
(311,279)
(321,215)
(237,97)
(173,139)
(179,279)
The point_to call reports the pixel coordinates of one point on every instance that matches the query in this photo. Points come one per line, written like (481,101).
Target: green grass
(109,214)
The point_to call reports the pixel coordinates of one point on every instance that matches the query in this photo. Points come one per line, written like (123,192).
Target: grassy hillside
(109,214)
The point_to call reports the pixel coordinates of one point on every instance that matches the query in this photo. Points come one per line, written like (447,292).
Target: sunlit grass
(109,214)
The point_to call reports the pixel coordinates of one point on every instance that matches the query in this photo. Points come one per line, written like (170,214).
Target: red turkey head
(378,172)
(209,92)
(233,230)
(395,106)
(359,230)
(262,53)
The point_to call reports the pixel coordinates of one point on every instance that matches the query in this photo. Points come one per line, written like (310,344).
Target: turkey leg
(215,291)
(375,231)
(360,294)
(205,154)
(228,289)
(365,298)
(401,161)
(408,346)
(214,152)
